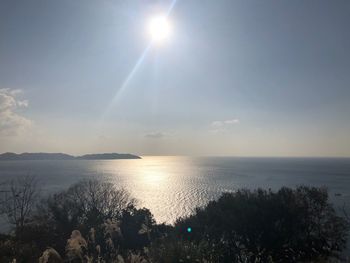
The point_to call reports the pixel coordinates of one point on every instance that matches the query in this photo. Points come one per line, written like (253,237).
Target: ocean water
(173,186)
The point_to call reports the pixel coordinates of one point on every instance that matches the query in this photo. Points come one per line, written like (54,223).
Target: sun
(159,29)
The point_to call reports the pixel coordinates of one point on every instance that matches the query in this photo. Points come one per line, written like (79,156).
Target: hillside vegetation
(95,221)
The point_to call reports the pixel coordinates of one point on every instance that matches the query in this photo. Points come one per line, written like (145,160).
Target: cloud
(11,122)
(224,125)
(234,121)
(23,103)
(155,135)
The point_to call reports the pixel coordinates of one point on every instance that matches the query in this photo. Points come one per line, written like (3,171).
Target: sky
(235,77)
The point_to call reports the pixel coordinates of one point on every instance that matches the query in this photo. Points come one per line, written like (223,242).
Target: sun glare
(159,29)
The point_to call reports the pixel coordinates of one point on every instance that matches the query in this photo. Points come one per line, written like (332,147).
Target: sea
(172,186)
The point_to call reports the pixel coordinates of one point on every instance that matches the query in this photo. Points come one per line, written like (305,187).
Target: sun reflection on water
(169,186)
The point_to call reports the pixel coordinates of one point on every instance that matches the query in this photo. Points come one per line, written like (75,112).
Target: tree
(19,201)
(89,203)
(86,205)
(291,225)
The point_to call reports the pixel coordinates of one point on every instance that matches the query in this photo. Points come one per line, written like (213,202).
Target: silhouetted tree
(136,227)
(19,198)
(284,226)
(93,221)
(85,205)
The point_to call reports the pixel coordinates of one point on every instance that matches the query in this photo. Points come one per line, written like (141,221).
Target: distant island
(62,156)
(107,156)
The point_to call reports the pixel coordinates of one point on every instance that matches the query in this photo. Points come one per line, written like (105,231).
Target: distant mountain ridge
(62,156)
(107,156)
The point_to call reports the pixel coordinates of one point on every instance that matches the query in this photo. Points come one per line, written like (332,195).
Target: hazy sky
(251,78)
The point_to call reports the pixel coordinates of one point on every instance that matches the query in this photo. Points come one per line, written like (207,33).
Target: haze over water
(170,78)
(171,186)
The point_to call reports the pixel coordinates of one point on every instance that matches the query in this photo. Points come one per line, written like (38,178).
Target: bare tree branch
(19,199)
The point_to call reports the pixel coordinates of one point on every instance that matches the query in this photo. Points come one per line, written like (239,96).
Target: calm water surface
(172,186)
